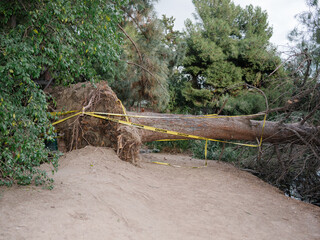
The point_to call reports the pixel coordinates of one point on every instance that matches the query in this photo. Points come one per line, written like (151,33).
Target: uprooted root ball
(84,130)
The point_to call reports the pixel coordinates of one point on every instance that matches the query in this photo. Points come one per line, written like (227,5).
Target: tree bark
(225,128)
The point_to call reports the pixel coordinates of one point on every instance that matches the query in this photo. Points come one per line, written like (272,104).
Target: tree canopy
(148,54)
(227,46)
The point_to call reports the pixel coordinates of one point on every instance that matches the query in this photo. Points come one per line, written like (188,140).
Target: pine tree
(145,76)
(228,46)
(175,46)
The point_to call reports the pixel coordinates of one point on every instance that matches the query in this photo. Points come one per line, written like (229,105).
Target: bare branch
(223,105)
(305,142)
(24,7)
(310,114)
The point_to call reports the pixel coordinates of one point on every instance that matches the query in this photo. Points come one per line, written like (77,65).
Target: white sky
(281,14)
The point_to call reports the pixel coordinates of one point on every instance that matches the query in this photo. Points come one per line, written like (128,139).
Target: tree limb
(131,40)
(145,69)
(310,114)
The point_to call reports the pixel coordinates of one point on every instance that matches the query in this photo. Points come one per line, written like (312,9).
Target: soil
(98,196)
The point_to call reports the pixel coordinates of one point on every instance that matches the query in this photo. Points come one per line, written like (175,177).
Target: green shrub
(72,41)
(24,126)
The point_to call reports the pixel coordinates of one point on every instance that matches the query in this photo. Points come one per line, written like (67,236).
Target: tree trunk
(225,128)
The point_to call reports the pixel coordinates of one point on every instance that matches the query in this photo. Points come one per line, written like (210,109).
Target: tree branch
(310,114)
(305,142)
(131,40)
(145,69)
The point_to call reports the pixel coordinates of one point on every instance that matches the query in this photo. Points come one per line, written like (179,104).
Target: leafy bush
(69,41)
(24,126)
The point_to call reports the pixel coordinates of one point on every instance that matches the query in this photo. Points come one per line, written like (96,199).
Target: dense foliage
(41,42)
(227,46)
(143,77)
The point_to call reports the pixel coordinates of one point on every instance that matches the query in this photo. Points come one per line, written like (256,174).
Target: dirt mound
(98,196)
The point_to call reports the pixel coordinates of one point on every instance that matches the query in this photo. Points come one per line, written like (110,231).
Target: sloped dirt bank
(98,196)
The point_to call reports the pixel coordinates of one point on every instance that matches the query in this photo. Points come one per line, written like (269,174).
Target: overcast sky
(281,14)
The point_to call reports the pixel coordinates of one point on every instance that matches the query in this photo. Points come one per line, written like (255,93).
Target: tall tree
(175,46)
(145,76)
(227,46)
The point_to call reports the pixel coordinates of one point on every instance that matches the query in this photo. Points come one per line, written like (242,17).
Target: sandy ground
(98,196)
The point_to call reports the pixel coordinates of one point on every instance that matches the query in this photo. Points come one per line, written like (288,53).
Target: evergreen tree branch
(145,69)
(137,24)
(131,40)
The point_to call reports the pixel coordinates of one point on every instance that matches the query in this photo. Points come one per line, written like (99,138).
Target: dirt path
(98,196)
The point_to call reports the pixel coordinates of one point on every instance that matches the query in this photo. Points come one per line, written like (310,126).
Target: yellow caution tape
(64,119)
(262,130)
(124,110)
(206,151)
(162,163)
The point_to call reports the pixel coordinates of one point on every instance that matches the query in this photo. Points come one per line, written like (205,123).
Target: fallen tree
(222,127)
(85,130)
(289,157)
